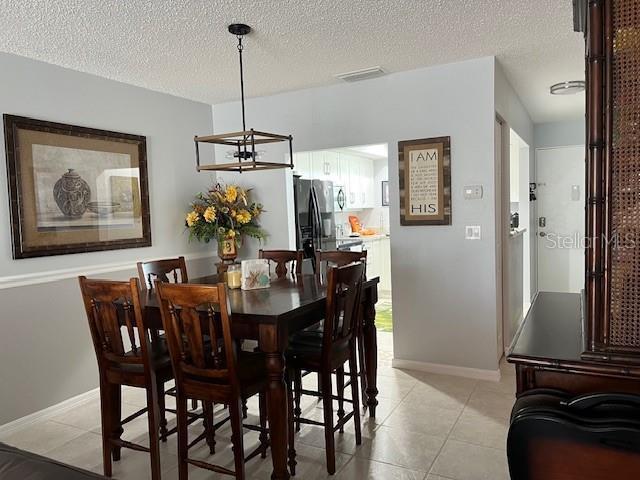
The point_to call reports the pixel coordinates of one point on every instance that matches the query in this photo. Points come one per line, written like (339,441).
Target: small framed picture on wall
(385,193)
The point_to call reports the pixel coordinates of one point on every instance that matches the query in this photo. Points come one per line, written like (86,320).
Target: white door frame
(500,152)
(503,219)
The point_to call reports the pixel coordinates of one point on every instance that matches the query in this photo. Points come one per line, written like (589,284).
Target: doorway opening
(355,216)
(560,188)
(520,210)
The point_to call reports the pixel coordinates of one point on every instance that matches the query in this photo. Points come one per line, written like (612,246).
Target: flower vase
(72,194)
(228,252)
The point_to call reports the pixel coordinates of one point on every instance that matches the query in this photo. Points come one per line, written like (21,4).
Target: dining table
(269,316)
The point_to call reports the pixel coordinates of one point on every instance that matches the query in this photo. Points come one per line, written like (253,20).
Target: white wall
(559,134)
(444,286)
(43,323)
(38,90)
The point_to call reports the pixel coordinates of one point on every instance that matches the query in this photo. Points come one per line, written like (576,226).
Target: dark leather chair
(16,464)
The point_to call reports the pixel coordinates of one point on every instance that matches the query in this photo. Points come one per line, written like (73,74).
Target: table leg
(371,354)
(276,401)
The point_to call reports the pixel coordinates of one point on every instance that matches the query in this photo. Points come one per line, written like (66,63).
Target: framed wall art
(425,181)
(385,193)
(75,189)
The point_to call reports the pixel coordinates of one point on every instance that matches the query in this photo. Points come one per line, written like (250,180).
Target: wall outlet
(472,232)
(473,192)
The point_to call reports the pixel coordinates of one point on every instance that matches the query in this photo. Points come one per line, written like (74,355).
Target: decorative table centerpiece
(225,214)
(255,274)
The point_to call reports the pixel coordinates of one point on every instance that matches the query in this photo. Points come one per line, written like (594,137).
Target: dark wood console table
(548,351)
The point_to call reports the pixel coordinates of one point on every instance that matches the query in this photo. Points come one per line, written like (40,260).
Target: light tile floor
(428,427)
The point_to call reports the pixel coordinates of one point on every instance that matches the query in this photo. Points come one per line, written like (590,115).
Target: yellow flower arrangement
(210,214)
(192,218)
(224,212)
(243,216)
(231,194)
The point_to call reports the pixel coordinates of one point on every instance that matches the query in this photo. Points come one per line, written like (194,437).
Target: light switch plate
(575,193)
(472,192)
(472,232)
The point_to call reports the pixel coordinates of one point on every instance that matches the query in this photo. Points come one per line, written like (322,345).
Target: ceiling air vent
(363,74)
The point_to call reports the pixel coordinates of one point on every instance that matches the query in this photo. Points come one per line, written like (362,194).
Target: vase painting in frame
(74,189)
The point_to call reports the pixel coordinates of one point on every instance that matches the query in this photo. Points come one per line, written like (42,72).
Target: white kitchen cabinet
(302,164)
(325,166)
(342,170)
(332,167)
(354,183)
(353,173)
(367,179)
(385,265)
(373,260)
(379,261)
(360,183)
(318,166)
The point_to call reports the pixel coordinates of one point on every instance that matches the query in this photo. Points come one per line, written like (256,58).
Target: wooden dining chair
(327,354)
(126,356)
(282,259)
(324,260)
(328,258)
(163,270)
(210,371)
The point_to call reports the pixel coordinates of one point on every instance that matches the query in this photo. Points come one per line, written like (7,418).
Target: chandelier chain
(240,48)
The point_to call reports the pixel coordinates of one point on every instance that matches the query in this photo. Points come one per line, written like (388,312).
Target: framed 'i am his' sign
(425,181)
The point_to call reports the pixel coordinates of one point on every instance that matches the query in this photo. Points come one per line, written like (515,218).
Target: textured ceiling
(182,47)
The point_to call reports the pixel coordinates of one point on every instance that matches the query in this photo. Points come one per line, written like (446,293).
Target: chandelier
(243,144)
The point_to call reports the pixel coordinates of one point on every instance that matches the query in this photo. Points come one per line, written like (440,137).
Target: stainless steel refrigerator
(315,218)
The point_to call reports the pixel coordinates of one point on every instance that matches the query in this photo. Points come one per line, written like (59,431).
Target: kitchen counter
(364,238)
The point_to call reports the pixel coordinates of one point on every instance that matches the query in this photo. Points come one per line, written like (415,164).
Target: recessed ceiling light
(568,88)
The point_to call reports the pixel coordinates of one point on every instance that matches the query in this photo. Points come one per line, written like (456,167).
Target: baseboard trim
(49,412)
(475,373)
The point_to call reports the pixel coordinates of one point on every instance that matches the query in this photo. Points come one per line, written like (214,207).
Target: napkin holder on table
(255,274)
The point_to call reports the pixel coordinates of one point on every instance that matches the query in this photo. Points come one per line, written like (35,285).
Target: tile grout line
(435,458)
(378,425)
(475,389)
